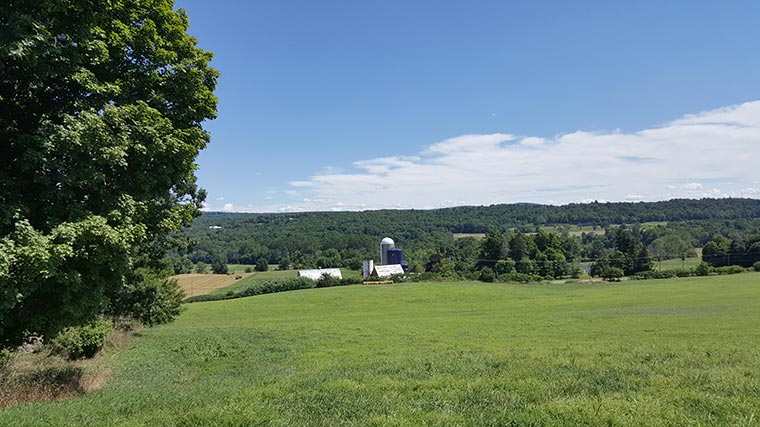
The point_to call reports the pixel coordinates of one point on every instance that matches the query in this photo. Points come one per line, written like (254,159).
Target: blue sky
(419,104)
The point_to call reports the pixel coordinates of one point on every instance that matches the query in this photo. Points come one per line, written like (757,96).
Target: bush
(327,281)
(487,275)
(268,287)
(611,274)
(756,266)
(703,269)
(646,275)
(262,264)
(85,341)
(519,277)
(684,272)
(248,269)
(152,301)
(219,267)
(6,357)
(425,276)
(729,269)
(505,266)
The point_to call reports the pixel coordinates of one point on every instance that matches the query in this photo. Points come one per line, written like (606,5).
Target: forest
(548,241)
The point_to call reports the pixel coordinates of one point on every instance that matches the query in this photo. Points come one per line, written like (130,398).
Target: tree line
(344,239)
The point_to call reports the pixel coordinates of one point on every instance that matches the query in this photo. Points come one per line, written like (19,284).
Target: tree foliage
(101,105)
(309,239)
(743,251)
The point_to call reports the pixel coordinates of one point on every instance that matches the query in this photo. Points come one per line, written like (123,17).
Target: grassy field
(675,264)
(263,276)
(202,284)
(668,352)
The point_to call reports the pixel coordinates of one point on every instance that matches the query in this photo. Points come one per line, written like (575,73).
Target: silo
(385,244)
(395,256)
(367,266)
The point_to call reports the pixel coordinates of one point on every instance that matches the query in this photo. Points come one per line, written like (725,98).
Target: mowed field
(650,353)
(202,284)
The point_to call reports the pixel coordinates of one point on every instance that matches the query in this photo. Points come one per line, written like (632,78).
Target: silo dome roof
(387,241)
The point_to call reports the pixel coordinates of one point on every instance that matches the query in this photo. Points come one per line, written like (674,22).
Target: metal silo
(395,256)
(385,245)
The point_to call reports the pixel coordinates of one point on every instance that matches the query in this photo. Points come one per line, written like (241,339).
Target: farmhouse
(317,274)
(386,270)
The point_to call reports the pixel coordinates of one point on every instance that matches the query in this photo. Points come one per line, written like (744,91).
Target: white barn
(387,270)
(318,273)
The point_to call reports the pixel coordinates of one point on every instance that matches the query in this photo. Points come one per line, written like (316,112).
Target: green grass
(256,277)
(240,268)
(676,264)
(665,352)
(263,276)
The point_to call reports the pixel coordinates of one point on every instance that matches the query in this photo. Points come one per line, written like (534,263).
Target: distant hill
(481,219)
(245,237)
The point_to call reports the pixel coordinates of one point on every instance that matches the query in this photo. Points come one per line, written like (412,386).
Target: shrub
(611,274)
(519,277)
(248,269)
(6,356)
(327,281)
(425,276)
(684,272)
(262,264)
(729,269)
(211,297)
(756,266)
(487,275)
(268,287)
(646,275)
(152,301)
(703,269)
(85,341)
(505,266)
(219,267)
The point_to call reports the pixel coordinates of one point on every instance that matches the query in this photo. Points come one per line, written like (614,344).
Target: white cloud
(718,148)
(469,143)
(692,186)
(228,207)
(219,199)
(750,191)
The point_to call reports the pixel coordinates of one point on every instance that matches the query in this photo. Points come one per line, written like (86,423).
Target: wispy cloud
(709,154)
(678,159)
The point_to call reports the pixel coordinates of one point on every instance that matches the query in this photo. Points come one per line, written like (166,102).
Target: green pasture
(676,264)
(650,353)
(263,276)
(240,268)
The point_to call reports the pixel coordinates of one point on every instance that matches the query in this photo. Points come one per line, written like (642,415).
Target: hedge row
(702,269)
(274,286)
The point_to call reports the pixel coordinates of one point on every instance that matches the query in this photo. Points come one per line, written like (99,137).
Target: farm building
(390,254)
(317,274)
(387,270)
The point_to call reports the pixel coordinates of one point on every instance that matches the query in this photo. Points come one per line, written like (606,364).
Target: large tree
(101,105)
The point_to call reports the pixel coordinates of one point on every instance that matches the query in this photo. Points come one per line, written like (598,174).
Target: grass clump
(66,367)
